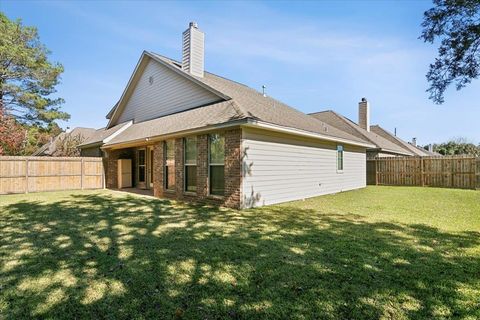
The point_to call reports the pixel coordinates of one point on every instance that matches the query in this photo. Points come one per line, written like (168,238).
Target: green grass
(380,252)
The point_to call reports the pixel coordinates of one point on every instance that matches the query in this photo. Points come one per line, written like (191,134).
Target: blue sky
(311,55)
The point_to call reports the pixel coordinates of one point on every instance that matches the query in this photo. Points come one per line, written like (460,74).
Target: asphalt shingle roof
(100,134)
(347,125)
(245,103)
(391,137)
(50,148)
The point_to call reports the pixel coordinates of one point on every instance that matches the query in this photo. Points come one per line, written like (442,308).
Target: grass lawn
(380,252)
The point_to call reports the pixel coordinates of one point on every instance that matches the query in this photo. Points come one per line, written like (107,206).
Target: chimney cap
(193,24)
(364,99)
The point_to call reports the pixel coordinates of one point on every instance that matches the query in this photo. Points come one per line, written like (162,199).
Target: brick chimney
(193,50)
(364,114)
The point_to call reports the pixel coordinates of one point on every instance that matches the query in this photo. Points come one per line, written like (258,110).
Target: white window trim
(189,164)
(343,158)
(165,182)
(210,164)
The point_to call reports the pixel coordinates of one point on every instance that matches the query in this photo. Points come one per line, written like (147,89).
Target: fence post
(26,175)
(81,174)
(376,172)
(103,174)
(477,173)
(422,172)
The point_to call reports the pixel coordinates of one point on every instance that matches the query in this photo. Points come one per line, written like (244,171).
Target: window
(170,165)
(190,164)
(339,158)
(216,162)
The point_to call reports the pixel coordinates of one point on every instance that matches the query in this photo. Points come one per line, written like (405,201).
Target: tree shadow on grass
(105,256)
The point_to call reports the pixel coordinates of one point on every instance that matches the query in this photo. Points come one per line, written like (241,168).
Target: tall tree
(457,146)
(456,23)
(27,77)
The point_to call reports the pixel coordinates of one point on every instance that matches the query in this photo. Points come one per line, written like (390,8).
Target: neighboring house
(193,135)
(411,146)
(53,147)
(91,146)
(383,146)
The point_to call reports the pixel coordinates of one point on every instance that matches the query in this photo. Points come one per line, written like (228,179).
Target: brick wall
(111,170)
(158,170)
(233,168)
(232,171)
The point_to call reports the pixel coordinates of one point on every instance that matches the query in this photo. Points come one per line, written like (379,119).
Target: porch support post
(158,169)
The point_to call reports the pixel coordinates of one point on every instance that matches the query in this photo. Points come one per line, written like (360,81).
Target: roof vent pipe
(263,90)
(193,50)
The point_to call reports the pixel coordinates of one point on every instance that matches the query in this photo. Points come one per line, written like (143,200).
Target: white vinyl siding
(168,93)
(279,168)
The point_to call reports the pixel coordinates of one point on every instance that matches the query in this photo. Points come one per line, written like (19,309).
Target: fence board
(37,174)
(450,172)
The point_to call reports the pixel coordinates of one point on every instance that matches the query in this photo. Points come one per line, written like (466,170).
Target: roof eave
(188,76)
(90,145)
(299,132)
(152,139)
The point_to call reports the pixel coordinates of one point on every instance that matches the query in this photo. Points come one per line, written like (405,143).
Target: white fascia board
(116,133)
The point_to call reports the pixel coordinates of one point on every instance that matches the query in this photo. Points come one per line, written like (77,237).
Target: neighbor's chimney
(193,50)
(364,114)
(414,142)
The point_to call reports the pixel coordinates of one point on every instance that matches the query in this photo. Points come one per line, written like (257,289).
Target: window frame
(185,165)
(142,166)
(210,164)
(340,150)
(166,166)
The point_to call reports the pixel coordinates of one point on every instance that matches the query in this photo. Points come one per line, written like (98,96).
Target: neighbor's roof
(50,148)
(98,137)
(347,125)
(243,103)
(393,138)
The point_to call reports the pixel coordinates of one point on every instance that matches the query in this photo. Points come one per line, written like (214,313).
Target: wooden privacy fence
(36,174)
(449,172)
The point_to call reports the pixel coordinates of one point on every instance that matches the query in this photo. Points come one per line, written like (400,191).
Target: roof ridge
(353,125)
(323,111)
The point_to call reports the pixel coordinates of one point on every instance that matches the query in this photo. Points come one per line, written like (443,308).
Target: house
(54,148)
(385,143)
(411,146)
(91,146)
(195,136)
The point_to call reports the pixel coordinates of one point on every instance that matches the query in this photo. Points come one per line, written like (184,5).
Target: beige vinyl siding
(169,93)
(279,168)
